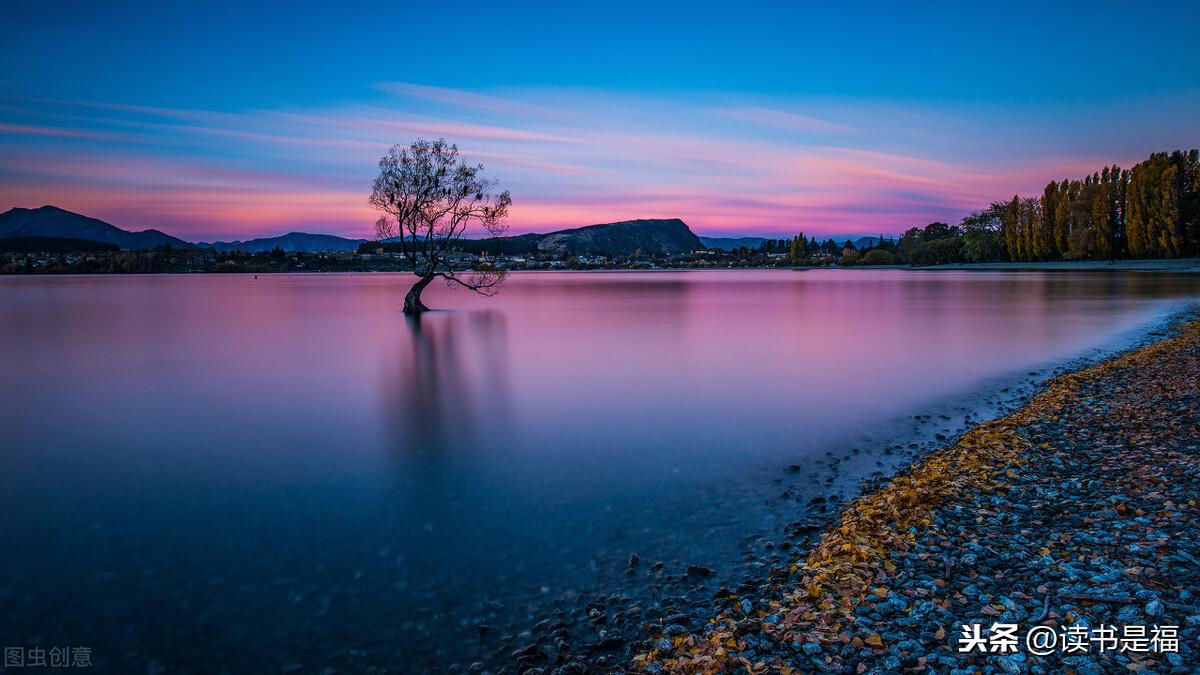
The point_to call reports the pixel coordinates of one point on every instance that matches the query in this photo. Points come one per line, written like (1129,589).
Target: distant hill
(53,222)
(667,236)
(653,237)
(290,242)
(865,242)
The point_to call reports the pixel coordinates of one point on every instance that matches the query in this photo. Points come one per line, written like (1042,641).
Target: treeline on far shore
(1151,210)
(39,257)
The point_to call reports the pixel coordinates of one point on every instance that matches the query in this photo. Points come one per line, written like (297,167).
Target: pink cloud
(591,158)
(207,213)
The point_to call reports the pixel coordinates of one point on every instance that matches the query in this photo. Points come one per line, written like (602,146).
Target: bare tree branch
(482,281)
(430,197)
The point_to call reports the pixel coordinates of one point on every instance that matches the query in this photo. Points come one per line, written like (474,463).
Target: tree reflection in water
(446,391)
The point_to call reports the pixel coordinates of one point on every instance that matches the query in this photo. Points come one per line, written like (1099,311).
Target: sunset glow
(806,152)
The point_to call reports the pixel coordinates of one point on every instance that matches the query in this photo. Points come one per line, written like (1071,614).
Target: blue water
(283,472)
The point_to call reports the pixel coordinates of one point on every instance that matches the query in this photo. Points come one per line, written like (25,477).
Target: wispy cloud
(56,132)
(465,99)
(783,120)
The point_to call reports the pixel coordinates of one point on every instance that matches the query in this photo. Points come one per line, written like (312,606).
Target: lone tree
(429,197)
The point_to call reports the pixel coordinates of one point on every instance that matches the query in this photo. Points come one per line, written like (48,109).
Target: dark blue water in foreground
(200,472)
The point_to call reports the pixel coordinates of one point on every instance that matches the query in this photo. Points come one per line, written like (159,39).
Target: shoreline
(1189,265)
(679,589)
(1156,266)
(575,638)
(1162,266)
(824,614)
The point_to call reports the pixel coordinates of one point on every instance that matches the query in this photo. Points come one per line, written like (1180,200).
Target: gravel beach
(1077,513)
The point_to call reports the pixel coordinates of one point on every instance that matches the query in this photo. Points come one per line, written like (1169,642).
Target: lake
(285,473)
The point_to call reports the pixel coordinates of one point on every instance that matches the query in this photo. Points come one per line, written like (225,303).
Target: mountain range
(51,221)
(653,237)
(731,243)
(290,242)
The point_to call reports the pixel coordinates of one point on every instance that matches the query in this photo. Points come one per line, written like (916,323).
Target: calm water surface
(285,472)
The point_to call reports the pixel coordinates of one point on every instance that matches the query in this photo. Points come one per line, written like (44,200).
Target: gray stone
(1013,664)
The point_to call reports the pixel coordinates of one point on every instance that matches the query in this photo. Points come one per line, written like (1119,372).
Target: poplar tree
(1049,220)
(1067,191)
(1011,226)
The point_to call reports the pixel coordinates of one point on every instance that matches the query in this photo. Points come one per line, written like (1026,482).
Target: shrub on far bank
(849,257)
(877,256)
(936,252)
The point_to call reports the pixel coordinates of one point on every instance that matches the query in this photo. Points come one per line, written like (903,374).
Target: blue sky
(1005,95)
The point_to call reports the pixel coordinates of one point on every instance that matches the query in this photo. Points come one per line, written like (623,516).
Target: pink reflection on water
(283,375)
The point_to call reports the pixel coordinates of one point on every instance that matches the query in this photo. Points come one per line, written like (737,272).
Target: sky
(231,120)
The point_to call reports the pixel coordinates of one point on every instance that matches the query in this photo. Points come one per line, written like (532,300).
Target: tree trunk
(412,301)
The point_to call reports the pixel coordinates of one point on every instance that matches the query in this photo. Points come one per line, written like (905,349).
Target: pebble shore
(1079,509)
